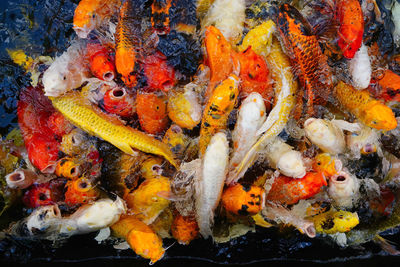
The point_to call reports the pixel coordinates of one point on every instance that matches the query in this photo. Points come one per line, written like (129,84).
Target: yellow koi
(369,111)
(335,221)
(259,38)
(285,88)
(93,121)
(215,115)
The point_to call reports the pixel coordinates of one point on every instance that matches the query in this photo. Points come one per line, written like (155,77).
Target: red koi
(101,61)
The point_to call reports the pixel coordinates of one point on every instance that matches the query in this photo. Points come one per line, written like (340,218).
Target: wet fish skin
(97,123)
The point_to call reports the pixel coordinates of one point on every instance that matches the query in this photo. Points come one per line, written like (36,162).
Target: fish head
(43,219)
(55,81)
(151,168)
(344,221)
(380,117)
(43,152)
(324,163)
(291,164)
(85,19)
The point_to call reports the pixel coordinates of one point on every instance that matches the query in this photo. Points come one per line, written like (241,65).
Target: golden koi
(93,121)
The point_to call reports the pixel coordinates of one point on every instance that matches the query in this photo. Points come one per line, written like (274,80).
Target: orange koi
(220,58)
(324,163)
(101,61)
(140,237)
(369,111)
(184,229)
(160,16)
(254,76)
(118,101)
(59,124)
(287,190)
(80,191)
(68,168)
(243,200)
(152,112)
(387,87)
(90,14)
(307,58)
(350,17)
(127,42)
(218,108)
(159,74)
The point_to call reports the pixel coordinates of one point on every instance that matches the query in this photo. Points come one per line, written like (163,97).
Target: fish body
(101,61)
(307,58)
(211,181)
(351,30)
(145,201)
(251,117)
(140,237)
(68,71)
(285,88)
(388,87)
(243,200)
(128,40)
(151,109)
(91,14)
(220,58)
(160,19)
(217,110)
(360,68)
(97,123)
(332,222)
(287,190)
(368,110)
(184,229)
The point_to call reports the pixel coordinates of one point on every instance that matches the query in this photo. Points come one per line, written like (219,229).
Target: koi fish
(243,200)
(388,87)
(351,21)
(80,191)
(184,107)
(210,181)
(151,168)
(140,237)
(326,135)
(160,16)
(344,189)
(326,164)
(254,76)
(38,195)
(228,16)
(285,88)
(158,73)
(368,110)
(360,68)
(259,38)
(287,190)
(68,168)
(21,178)
(34,111)
(59,125)
(146,201)
(176,140)
(101,61)
(217,110)
(93,121)
(310,64)
(118,101)
(184,229)
(128,39)
(332,222)
(152,112)
(91,14)
(67,72)
(251,117)
(220,58)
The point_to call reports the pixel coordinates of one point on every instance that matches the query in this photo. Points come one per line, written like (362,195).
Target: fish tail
(386,245)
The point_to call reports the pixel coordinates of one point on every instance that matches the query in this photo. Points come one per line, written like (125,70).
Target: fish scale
(123,137)
(307,58)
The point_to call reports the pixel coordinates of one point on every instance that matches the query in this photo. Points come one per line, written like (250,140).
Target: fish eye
(64,78)
(374,122)
(94,16)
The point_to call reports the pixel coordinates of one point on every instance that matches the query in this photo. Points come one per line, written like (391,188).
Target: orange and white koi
(285,88)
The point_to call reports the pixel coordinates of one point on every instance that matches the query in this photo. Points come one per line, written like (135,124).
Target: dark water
(43,27)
